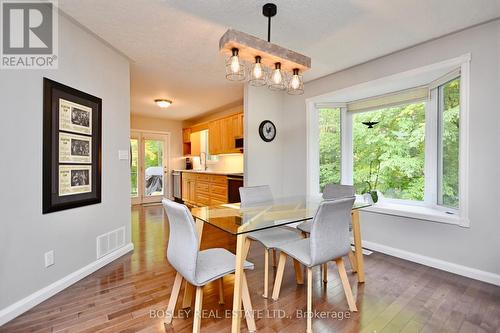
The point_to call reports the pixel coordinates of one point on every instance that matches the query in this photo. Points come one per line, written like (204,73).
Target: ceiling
(173,44)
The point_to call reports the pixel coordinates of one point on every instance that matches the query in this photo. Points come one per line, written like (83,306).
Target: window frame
(428,209)
(439,142)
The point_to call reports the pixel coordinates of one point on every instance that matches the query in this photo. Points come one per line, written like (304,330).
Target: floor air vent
(110,241)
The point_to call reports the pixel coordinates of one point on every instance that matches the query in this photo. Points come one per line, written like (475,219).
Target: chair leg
(345,283)
(324,271)
(174,295)
(352,259)
(221,291)
(247,305)
(275,261)
(279,276)
(197,310)
(298,272)
(309,300)
(266,274)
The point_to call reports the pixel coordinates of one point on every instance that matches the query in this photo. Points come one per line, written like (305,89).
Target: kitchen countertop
(222,173)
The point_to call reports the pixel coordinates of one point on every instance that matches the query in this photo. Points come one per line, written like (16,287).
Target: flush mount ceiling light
(269,64)
(163,103)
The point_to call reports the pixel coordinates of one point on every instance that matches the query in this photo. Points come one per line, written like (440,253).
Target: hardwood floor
(398,296)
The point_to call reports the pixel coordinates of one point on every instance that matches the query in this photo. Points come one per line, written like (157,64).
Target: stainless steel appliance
(177,184)
(233,188)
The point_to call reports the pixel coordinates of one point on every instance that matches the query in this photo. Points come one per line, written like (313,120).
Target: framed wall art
(71,147)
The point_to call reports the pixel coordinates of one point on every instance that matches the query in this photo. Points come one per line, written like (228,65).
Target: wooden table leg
(187,299)
(242,246)
(356,231)
(352,260)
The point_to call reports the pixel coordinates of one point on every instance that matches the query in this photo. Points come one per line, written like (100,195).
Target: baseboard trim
(23,305)
(469,272)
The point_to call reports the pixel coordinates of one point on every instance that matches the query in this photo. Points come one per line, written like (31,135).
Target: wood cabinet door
(185,189)
(214,137)
(186,135)
(192,191)
(195,143)
(227,135)
(238,125)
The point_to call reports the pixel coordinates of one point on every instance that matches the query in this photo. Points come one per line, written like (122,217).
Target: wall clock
(267,131)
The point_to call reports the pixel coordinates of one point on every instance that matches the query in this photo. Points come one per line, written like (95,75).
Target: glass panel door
(148,167)
(134,167)
(153,167)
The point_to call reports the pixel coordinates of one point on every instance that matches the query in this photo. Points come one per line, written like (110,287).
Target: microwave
(238,143)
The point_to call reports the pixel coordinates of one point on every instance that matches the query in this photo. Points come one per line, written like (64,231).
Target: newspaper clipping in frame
(74,148)
(74,117)
(74,179)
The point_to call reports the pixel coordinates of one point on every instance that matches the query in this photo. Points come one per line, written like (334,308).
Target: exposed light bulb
(295,82)
(235,64)
(295,85)
(257,71)
(277,77)
(257,68)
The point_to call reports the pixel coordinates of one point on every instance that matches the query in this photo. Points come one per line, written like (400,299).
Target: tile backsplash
(226,163)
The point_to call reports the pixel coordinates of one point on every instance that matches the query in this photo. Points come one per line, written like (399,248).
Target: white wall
(471,248)
(87,64)
(263,160)
(174,127)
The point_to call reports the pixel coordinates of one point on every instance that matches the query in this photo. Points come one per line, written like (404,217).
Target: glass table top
(236,220)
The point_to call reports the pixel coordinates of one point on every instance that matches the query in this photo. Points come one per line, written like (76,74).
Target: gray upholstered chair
(269,238)
(329,240)
(331,192)
(197,267)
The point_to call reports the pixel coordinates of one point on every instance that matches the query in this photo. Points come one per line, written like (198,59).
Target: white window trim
(428,210)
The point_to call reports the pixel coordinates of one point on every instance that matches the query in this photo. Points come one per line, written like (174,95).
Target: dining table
(239,221)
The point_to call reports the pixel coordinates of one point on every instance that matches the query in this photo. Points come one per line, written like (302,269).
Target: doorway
(149,167)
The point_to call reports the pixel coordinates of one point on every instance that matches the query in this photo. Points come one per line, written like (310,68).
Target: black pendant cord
(269,29)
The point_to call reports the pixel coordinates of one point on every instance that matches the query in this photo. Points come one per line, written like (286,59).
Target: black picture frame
(52,201)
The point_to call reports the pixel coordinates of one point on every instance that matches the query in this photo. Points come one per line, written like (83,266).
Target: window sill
(416,212)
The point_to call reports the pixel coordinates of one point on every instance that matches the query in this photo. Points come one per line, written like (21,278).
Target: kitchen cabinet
(188,188)
(222,134)
(214,137)
(238,125)
(203,189)
(186,141)
(186,135)
(195,144)
(227,135)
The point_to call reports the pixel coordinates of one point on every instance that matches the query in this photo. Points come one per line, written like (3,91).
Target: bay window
(405,149)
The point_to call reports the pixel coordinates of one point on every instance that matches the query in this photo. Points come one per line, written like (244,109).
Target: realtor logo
(29,34)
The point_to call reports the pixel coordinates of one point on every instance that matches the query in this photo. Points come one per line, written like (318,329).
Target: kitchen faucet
(204,159)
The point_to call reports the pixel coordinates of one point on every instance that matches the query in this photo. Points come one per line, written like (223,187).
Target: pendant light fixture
(277,79)
(235,69)
(271,64)
(258,75)
(296,84)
